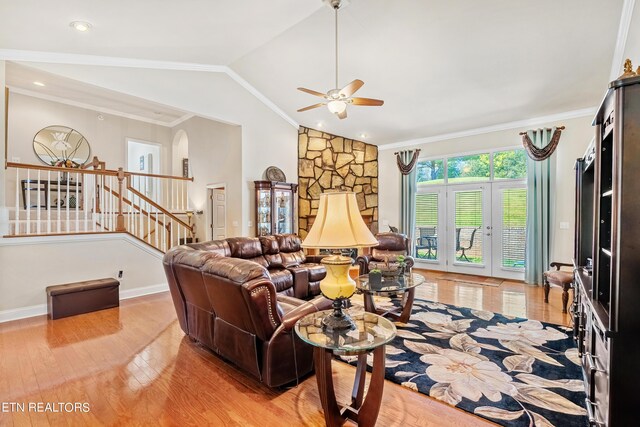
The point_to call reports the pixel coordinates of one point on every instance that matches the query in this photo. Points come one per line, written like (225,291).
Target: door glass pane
(468,220)
(514,219)
(510,164)
(468,168)
(283,211)
(264,212)
(427,226)
(430,171)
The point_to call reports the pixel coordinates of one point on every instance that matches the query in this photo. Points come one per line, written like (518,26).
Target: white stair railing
(54,200)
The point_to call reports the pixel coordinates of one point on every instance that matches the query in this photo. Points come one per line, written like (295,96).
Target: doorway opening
(144,157)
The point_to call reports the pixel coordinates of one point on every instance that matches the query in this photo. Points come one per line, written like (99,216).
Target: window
(510,164)
(471,168)
(430,171)
(427,226)
(514,223)
(507,164)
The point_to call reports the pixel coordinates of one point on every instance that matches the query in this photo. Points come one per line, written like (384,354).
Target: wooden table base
(363,409)
(404,311)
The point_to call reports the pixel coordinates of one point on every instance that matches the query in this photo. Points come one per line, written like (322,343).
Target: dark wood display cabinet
(606,307)
(275,207)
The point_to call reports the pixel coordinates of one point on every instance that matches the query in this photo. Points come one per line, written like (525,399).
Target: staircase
(54,201)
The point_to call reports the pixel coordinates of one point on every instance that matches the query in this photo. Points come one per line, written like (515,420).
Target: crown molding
(493,128)
(621,41)
(111,61)
(59,100)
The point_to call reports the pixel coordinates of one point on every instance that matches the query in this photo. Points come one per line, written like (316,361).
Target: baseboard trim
(146,290)
(41,309)
(22,312)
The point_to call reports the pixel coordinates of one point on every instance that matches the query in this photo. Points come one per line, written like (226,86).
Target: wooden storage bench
(82,297)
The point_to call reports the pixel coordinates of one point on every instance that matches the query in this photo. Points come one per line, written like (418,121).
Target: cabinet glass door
(283,211)
(264,212)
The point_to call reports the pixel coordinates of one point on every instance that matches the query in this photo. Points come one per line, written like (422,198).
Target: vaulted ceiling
(440,66)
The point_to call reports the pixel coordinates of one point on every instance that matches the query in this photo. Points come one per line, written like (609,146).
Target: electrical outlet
(235,223)
(15,159)
(250,224)
(120,274)
(564,225)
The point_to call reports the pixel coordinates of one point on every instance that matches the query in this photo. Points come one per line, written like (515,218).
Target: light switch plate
(564,225)
(234,223)
(250,224)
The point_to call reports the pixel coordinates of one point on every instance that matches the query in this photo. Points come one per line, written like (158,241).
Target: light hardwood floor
(134,366)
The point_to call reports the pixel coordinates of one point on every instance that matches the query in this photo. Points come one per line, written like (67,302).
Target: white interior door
(509,229)
(218,214)
(469,229)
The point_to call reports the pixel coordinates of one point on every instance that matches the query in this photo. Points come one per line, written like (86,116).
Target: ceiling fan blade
(310,107)
(312,92)
(342,115)
(351,88)
(367,102)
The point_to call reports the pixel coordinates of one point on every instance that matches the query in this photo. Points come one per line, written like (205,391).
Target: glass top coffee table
(371,334)
(404,284)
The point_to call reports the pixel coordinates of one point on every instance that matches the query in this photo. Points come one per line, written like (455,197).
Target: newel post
(120,219)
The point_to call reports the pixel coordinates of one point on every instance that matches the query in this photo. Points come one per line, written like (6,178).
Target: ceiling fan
(337,99)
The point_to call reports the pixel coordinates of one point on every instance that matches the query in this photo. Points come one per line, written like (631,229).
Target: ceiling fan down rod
(335,9)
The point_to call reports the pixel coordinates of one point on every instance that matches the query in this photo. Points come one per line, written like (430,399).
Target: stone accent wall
(328,162)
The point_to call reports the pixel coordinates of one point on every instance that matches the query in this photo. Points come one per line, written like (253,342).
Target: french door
(472,228)
(469,229)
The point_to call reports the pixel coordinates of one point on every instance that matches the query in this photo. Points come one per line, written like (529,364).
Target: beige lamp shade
(339,224)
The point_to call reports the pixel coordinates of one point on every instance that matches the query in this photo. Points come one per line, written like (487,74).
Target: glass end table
(372,333)
(403,284)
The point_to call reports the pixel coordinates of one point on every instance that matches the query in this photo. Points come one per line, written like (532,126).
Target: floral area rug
(512,371)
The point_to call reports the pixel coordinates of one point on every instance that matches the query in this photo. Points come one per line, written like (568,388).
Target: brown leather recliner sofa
(241,297)
(390,246)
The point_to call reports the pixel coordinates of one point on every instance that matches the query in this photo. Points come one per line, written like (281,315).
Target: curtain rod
(559,127)
(398,152)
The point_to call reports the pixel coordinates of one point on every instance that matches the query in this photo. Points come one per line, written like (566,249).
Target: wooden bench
(82,297)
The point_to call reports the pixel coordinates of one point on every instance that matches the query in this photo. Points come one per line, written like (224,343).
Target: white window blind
(514,217)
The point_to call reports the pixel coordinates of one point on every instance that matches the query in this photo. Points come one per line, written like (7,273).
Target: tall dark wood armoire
(607,259)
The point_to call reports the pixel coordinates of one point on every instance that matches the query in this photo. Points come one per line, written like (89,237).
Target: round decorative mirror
(61,146)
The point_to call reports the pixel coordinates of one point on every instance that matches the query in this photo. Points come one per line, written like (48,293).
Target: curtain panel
(408,199)
(540,209)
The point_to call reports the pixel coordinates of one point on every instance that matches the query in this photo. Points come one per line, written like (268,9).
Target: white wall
(4,212)
(107,137)
(215,156)
(29,265)
(267,139)
(573,143)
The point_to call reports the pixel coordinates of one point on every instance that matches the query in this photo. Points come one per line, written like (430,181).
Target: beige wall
(215,155)
(107,137)
(574,141)
(4,212)
(29,267)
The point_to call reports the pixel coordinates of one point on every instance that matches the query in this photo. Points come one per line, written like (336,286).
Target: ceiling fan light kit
(337,99)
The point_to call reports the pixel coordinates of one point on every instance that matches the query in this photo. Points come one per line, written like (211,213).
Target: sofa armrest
(314,258)
(363,263)
(317,304)
(300,281)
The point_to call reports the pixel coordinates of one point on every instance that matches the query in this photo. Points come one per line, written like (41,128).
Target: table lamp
(338,225)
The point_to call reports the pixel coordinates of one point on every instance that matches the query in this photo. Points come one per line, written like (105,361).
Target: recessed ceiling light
(363,135)
(100,117)
(38,84)
(81,26)
(319,124)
